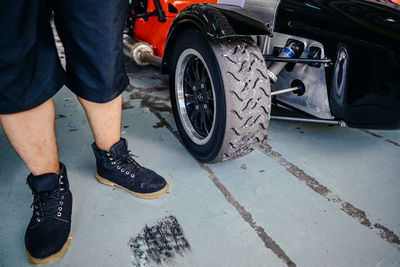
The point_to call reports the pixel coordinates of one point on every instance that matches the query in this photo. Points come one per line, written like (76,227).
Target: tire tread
(248,90)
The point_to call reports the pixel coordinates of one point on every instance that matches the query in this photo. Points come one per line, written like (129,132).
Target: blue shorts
(30,70)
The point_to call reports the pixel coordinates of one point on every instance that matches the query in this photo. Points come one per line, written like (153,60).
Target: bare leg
(32,135)
(105,121)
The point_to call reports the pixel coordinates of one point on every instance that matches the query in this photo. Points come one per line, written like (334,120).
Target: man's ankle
(106,144)
(48,168)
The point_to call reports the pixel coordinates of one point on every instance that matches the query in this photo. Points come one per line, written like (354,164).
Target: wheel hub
(196,90)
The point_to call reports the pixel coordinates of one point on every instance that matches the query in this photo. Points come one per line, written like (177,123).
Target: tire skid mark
(160,243)
(246,216)
(356,213)
(380,136)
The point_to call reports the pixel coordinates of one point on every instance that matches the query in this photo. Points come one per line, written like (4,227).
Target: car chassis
(336,61)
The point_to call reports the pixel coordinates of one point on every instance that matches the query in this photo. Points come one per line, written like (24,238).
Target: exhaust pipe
(141,53)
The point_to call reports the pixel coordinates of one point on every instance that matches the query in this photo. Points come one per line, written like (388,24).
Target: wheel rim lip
(183,60)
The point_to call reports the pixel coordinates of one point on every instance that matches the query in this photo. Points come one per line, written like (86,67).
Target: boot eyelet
(108,154)
(62,197)
(60,208)
(38,219)
(132,175)
(61,203)
(61,176)
(61,189)
(127,172)
(118,167)
(36,207)
(61,183)
(122,170)
(37,213)
(58,214)
(113,163)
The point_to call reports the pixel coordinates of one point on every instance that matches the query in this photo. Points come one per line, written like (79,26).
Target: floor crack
(380,136)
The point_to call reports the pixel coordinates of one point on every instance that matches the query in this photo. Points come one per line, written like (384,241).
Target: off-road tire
(242,91)
(248,97)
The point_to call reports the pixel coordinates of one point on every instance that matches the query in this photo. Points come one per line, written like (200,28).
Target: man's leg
(97,75)
(105,121)
(114,165)
(32,135)
(30,74)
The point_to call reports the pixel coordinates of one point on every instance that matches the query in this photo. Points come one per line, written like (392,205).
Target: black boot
(49,231)
(117,167)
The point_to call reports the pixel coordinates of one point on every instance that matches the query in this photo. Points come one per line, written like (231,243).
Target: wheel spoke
(193,117)
(189,84)
(197,122)
(204,123)
(189,98)
(188,77)
(196,70)
(192,71)
(203,74)
(209,97)
(210,115)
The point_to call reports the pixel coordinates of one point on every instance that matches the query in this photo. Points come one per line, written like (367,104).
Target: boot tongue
(119,148)
(44,182)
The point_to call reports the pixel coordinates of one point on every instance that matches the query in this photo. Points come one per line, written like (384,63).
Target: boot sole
(52,258)
(153,195)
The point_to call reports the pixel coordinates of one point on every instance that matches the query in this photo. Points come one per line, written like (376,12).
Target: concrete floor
(311,195)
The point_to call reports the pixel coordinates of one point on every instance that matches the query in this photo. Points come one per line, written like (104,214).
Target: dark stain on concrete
(299,130)
(154,103)
(243,166)
(322,190)
(139,72)
(71,104)
(261,171)
(60,116)
(387,234)
(159,243)
(73,130)
(158,125)
(356,213)
(126,105)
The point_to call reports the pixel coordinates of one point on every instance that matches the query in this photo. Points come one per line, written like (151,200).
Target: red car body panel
(155,32)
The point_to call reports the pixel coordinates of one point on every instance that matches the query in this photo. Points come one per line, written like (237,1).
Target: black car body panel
(216,22)
(363,40)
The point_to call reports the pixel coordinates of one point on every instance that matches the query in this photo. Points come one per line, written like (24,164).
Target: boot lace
(126,164)
(47,203)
